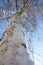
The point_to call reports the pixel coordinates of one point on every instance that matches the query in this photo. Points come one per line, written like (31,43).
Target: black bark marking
(23,45)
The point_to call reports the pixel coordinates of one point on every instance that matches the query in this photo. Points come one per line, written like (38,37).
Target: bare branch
(16,6)
(4,17)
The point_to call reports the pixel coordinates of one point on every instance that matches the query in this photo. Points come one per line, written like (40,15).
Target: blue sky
(37,39)
(3,27)
(40,0)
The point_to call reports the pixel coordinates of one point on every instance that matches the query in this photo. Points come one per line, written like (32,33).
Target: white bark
(13,47)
